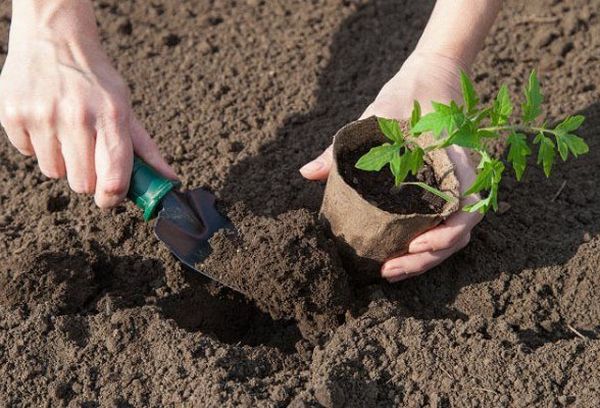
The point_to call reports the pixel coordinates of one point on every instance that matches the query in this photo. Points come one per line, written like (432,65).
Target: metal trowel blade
(186,222)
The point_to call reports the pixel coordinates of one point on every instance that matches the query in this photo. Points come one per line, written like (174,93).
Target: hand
(63,102)
(423,77)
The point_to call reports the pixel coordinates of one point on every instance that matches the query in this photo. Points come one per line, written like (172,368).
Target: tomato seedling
(472,126)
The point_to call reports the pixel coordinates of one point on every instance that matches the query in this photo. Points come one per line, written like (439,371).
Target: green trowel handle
(147,188)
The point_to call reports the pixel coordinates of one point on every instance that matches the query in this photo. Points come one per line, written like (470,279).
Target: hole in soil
(171,40)
(57,203)
(228,316)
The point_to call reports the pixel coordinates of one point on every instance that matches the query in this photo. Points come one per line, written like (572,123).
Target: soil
(286,266)
(378,188)
(239,94)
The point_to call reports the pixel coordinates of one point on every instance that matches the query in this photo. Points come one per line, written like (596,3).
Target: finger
(410,265)
(146,148)
(114,159)
(445,235)
(19,138)
(77,146)
(48,153)
(319,168)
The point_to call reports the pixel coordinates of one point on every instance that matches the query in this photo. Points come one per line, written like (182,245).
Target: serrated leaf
(517,155)
(443,118)
(484,205)
(490,173)
(570,124)
(415,115)
(468,91)
(502,107)
(433,190)
(391,129)
(546,152)
(377,157)
(465,136)
(568,142)
(533,99)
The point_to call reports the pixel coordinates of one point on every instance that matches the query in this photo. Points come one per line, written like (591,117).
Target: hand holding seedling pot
(371,218)
(373,213)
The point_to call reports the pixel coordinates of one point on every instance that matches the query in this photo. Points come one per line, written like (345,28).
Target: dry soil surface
(239,94)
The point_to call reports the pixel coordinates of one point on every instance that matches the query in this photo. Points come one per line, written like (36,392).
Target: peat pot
(367,235)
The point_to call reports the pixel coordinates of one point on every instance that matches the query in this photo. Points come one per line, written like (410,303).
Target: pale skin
(64,103)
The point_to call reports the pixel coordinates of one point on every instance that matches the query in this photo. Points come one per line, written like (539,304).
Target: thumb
(318,169)
(144,146)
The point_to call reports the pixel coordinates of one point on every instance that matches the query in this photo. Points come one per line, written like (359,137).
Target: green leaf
(490,173)
(409,161)
(481,206)
(433,190)
(468,91)
(391,129)
(377,157)
(546,152)
(533,99)
(400,166)
(415,115)
(443,118)
(466,136)
(484,205)
(502,108)
(416,160)
(570,124)
(517,155)
(568,142)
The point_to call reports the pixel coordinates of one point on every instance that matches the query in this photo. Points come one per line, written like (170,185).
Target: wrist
(64,20)
(442,58)
(457,28)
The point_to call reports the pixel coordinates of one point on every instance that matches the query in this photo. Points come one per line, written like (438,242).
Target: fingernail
(390,273)
(312,167)
(418,246)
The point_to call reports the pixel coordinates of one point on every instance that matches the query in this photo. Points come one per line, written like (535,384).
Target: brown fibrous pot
(366,235)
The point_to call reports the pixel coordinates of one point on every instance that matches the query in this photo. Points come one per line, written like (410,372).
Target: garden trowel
(186,220)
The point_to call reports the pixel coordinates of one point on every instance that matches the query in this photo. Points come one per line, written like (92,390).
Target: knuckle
(53,173)
(115,109)
(11,114)
(76,114)
(43,112)
(114,187)
(82,187)
(419,266)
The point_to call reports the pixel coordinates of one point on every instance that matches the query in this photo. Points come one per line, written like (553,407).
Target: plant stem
(517,128)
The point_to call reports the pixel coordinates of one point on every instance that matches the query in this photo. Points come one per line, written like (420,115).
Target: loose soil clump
(286,265)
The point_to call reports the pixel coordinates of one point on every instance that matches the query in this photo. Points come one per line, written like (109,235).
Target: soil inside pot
(378,188)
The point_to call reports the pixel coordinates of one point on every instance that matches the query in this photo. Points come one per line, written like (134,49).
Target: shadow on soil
(226,315)
(539,230)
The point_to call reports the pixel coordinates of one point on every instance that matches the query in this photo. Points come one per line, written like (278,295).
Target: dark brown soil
(239,94)
(377,187)
(286,265)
